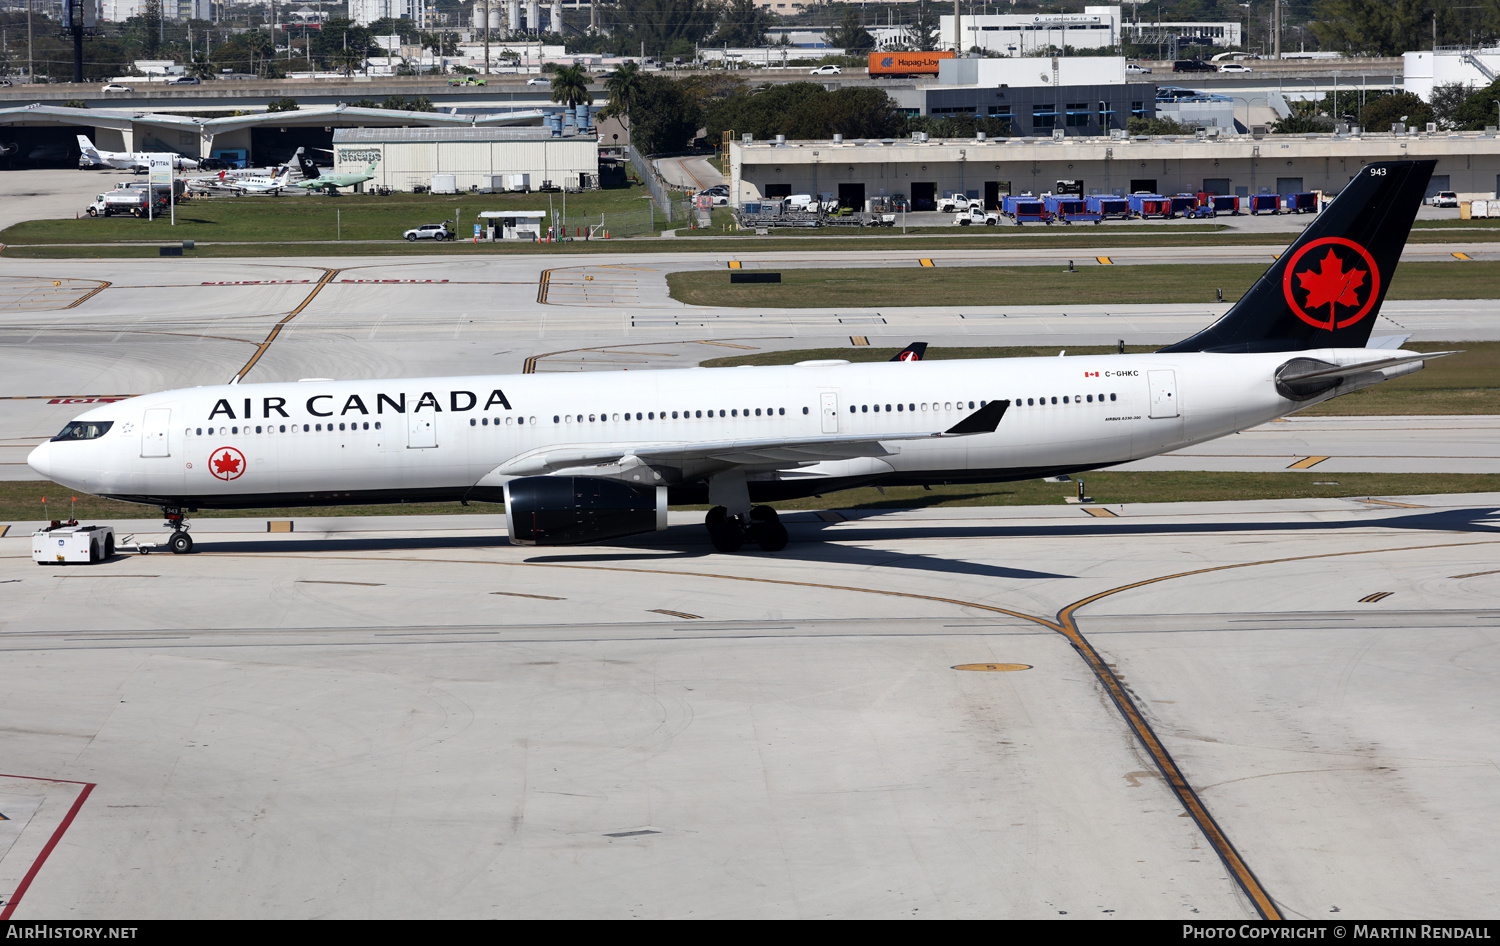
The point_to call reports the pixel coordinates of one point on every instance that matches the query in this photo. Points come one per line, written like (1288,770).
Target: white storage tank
(444,184)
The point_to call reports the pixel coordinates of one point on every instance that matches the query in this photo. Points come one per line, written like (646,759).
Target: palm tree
(570,86)
(624,87)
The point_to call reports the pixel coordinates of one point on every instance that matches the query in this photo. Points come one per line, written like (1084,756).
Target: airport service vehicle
(70,543)
(826,70)
(976,215)
(427,231)
(129,160)
(1445,199)
(131,201)
(580,458)
(957,203)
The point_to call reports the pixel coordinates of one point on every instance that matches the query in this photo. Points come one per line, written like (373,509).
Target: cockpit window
(85,430)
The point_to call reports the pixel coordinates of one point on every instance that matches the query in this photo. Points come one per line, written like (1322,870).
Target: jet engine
(573,510)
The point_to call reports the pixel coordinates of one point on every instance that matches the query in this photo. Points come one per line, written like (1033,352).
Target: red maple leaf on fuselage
(226,463)
(1330,283)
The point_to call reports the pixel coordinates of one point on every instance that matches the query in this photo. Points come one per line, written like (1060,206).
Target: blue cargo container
(1069,208)
(1150,205)
(1264,203)
(1106,206)
(1300,203)
(1225,204)
(1022,209)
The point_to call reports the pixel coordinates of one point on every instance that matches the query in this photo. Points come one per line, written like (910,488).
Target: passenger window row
(674,415)
(1077,399)
(936,406)
(275,429)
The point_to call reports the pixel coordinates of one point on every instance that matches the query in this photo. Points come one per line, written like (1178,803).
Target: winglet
(982,421)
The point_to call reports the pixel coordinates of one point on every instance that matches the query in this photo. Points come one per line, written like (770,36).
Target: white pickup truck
(976,215)
(957,203)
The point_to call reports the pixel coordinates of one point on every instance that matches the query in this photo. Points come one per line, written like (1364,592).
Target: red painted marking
(86,400)
(41,858)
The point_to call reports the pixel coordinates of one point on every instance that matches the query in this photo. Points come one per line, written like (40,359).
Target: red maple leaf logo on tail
(1331,283)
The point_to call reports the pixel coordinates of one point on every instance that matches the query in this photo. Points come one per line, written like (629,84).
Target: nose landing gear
(180,543)
(730,533)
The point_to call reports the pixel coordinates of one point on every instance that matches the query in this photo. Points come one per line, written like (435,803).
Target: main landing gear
(730,533)
(180,543)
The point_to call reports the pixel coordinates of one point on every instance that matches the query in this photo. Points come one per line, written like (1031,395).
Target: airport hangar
(861,170)
(46,135)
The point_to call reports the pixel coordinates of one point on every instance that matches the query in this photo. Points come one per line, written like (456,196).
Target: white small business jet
(594,457)
(130,160)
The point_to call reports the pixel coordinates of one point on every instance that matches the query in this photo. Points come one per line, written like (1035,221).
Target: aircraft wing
(762,454)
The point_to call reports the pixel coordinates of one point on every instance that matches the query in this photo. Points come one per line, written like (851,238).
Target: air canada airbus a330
(598,456)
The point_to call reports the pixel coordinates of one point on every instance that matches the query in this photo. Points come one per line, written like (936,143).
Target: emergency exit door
(421,429)
(1163,393)
(830,412)
(154,432)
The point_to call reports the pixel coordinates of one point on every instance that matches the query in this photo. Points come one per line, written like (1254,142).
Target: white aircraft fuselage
(324,442)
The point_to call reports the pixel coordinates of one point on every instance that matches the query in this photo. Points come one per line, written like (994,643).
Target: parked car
(1233,67)
(827,70)
(428,231)
(1445,199)
(115,87)
(719,198)
(1133,70)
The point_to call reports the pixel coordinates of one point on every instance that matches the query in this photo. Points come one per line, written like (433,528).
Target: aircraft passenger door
(830,412)
(1163,392)
(154,432)
(421,430)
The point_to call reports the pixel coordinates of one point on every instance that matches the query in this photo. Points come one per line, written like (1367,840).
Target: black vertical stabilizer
(1326,290)
(309,169)
(912,352)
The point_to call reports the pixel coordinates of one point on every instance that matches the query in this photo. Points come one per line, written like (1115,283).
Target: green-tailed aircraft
(329,184)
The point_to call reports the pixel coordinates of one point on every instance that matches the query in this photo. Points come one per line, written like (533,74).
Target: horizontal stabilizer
(1388,341)
(1335,370)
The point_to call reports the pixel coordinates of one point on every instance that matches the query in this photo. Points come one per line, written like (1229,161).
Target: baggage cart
(1107,206)
(1225,204)
(1150,205)
(1264,203)
(1068,208)
(1022,209)
(1300,203)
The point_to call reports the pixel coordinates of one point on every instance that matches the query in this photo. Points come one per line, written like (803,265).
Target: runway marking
(925,262)
(1387,502)
(1377,596)
(1001,668)
(858,340)
(280,525)
(1100,512)
(530,364)
(1306,463)
(41,858)
(1105,261)
(314,581)
(70,399)
(734,264)
(1495,571)
(701,341)
(260,349)
(1462,256)
(33,293)
(517,594)
(677,614)
(3,530)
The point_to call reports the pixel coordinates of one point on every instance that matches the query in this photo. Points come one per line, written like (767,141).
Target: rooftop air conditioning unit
(1398,128)
(838,139)
(1432,128)
(781,139)
(1118,134)
(747,137)
(1058,134)
(978,136)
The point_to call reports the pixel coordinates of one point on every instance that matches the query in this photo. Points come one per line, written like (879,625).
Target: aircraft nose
(41,460)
